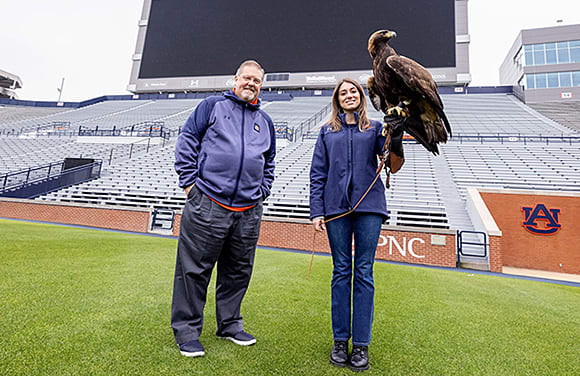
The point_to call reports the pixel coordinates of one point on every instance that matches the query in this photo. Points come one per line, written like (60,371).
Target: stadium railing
(515,138)
(36,181)
(311,122)
(138,130)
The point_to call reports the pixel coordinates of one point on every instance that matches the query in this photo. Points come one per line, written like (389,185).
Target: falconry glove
(396,157)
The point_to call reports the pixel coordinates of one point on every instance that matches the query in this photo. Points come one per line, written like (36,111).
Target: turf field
(86,302)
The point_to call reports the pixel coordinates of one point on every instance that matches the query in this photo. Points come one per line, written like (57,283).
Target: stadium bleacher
(429,191)
(565,113)
(15,114)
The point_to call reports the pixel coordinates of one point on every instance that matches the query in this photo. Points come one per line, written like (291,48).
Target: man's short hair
(251,62)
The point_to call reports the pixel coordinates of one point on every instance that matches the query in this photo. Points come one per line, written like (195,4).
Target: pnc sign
(540,220)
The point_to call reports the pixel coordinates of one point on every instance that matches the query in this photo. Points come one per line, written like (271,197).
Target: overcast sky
(90,43)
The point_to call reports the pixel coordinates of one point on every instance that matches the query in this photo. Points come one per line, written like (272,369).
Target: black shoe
(339,354)
(241,338)
(359,359)
(192,349)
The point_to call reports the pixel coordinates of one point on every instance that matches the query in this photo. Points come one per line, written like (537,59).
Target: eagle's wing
(415,77)
(418,79)
(373,96)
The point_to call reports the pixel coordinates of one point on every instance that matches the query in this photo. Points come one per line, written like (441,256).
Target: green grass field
(86,302)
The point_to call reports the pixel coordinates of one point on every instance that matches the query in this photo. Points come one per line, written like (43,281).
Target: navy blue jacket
(227,148)
(343,167)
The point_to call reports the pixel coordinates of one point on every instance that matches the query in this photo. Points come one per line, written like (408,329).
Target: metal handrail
(307,124)
(45,176)
(461,243)
(514,137)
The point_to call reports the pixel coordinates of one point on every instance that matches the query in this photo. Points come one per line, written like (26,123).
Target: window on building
(530,84)
(541,81)
(565,79)
(539,58)
(576,78)
(563,52)
(575,55)
(551,57)
(549,53)
(550,80)
(528,55)
(553,80)
(520,58)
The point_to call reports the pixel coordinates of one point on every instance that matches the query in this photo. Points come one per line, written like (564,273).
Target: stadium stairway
(456,210)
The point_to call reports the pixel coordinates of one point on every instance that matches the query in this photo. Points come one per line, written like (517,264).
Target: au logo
(541,213)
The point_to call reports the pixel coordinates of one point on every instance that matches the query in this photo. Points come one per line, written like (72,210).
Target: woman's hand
(318,224)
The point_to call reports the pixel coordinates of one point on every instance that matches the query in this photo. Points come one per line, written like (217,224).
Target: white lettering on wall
(393,243)
(401,248)
(382,241)
(410,247)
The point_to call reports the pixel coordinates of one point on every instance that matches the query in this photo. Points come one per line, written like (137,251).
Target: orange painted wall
(522,249)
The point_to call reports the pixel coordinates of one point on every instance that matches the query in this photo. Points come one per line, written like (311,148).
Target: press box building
(544,64)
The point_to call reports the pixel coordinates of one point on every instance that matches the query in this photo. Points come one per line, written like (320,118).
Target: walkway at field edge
(542,274)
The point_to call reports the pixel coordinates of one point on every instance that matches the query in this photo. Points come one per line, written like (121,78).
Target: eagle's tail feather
(427,140)
(445,121)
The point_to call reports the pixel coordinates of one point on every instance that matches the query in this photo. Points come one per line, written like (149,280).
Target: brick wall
(394,245)
(495,255)
(524,249)
(83,215)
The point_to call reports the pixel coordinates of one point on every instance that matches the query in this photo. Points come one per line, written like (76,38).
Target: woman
(343,168)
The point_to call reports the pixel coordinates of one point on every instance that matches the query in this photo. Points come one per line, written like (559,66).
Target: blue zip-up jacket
(227,148)
(344,165)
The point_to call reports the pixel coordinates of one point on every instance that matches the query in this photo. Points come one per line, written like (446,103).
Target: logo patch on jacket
(541,213)
(257,127)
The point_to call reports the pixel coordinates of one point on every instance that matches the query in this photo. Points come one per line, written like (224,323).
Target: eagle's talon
(397,111)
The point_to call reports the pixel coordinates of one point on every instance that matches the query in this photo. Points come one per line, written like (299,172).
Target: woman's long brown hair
(335,122)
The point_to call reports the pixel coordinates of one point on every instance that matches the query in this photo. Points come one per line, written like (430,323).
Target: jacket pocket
(192,192)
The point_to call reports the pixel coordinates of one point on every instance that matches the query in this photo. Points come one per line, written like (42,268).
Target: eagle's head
(379,39)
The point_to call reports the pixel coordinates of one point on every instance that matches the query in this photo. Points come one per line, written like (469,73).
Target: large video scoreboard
(196,45)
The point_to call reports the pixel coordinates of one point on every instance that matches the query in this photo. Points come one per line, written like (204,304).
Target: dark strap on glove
(396,156)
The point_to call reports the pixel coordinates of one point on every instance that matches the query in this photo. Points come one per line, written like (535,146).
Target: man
(225,160)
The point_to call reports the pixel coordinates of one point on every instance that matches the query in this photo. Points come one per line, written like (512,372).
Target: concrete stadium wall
(522,245)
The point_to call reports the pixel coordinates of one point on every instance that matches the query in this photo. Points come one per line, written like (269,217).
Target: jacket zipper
(241,157)
(350,167)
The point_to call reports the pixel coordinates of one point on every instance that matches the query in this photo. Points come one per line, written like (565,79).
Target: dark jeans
(366,229)
(210,234)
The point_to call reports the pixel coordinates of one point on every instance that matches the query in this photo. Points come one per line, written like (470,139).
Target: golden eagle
(402,87)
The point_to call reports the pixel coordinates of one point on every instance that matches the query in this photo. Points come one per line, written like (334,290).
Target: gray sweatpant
(210,233)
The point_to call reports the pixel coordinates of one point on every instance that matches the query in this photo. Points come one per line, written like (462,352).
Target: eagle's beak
(391,34)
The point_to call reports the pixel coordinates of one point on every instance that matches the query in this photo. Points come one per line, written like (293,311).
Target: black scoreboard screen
(188,38)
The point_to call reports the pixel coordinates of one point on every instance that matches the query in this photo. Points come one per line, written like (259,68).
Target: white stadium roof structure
(9,82)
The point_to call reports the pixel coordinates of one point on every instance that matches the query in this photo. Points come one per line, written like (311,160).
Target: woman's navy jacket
(344,165)
(227,148)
